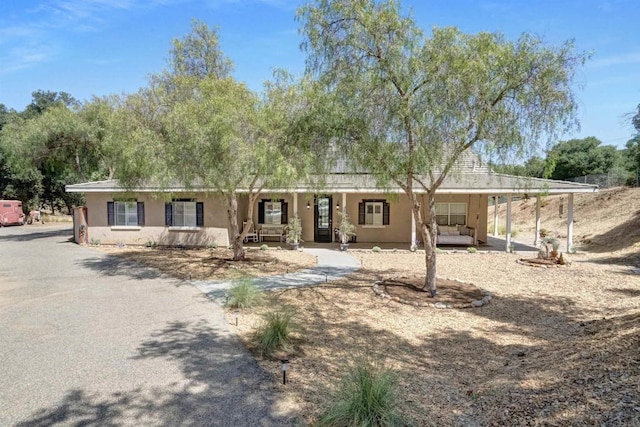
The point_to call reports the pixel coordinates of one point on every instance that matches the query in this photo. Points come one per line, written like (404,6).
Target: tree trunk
(236,234)
(428,230)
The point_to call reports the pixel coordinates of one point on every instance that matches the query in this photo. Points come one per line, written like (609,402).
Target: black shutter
(200,214)
(261,212)
(111,215)
(140,214)
(385,213)
(361,215)
(284,213)
(168,214)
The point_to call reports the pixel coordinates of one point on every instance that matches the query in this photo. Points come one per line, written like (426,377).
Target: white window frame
(449,214)
(184,214)
(125,213)
(273,213)
(375,217)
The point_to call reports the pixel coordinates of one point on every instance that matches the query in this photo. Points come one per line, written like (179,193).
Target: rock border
(377,289)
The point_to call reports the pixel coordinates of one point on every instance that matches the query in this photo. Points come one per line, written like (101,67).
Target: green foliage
(212,245)
(345,228)
(275,333)
(472,249)
(294,230)
(367,396)
(264,247)
(94,242)
(413,105)
(578,157)
(502,230)
(439,251)
(376,249)
(243,293)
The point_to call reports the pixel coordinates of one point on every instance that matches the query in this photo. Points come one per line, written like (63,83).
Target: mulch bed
(450,293)
(541,262)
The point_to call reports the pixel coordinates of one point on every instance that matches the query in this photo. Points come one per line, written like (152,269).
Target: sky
(103,47)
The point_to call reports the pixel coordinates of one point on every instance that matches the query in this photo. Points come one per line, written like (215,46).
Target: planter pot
(294,246)
(344,246)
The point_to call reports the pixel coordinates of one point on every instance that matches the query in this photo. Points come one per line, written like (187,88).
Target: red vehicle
(11,212)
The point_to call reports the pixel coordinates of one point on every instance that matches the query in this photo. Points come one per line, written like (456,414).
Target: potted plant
(555,245)
(346,230)
(294,232)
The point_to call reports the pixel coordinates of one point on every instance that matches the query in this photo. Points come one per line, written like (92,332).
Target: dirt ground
(554,346)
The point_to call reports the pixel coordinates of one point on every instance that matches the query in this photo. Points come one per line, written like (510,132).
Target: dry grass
(555,346)
(213,264)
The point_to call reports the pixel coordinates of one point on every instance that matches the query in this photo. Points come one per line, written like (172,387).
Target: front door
(322,232)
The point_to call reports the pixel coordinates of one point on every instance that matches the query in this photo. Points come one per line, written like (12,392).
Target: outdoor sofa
(456,235)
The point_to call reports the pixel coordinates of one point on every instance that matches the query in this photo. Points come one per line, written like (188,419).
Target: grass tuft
(367,396)
(472,250)
(376,249)
(275,333)
(243,293)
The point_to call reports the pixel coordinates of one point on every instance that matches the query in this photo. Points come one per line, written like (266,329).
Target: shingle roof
(464,183)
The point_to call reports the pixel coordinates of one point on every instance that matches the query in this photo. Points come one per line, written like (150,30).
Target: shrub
(264,247)
(367,396)
(376,249)
(472,250)
(275,333)
(502,230)
(243,293)
(212,245)
(95,242)
(151,244)
(439,251)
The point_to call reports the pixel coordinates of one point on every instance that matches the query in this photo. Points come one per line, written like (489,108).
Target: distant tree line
(579,157)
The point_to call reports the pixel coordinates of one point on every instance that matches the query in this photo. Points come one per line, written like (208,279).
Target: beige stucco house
(198,217)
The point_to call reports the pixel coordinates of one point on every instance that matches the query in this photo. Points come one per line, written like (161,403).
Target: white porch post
(344,202)
(295,204)
(413,228)
(495,215)
(508,236)
(537,236)
(570,223)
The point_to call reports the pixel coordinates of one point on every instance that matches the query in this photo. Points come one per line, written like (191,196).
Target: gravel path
(90,339)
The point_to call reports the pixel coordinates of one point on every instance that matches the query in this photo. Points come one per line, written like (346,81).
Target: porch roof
(462,183)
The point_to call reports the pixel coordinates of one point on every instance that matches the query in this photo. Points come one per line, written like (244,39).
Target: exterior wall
(215,218)
(154,230)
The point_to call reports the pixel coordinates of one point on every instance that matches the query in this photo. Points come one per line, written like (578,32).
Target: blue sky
(101,47)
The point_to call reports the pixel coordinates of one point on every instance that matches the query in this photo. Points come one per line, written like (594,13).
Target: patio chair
(252,235)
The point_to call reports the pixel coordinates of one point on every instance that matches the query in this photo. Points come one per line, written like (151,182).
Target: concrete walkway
(332,265)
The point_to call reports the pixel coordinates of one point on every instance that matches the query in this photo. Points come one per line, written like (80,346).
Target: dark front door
(322,232)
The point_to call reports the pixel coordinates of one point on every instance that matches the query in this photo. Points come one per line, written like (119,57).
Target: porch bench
(453,235)
(271,231)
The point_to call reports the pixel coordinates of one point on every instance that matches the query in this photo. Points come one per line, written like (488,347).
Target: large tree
(578,157)
(214,133)
(415,103)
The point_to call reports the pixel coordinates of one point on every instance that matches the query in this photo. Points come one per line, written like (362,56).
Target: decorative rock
(477,303)
(440,305)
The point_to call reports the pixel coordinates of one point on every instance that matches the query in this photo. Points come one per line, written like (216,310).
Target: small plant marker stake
(284,364)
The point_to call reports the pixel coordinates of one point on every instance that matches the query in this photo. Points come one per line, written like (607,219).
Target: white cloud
(621,59)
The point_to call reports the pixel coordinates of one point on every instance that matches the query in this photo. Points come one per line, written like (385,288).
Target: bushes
(502,230)
(275,333)
(367,396)
(243,293)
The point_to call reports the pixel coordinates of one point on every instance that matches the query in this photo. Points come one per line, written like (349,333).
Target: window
(272,213)
(125,213)
(373,213)
(451,213)
(184,213)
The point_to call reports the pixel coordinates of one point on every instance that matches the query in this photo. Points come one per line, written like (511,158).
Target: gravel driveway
(87,339)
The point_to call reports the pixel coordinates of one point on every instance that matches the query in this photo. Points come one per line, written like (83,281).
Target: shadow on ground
(36,235)
(222,386)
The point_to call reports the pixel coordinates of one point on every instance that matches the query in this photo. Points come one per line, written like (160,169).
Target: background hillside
(606,223)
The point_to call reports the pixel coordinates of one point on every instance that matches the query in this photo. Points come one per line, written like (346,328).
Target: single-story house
(197,217)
